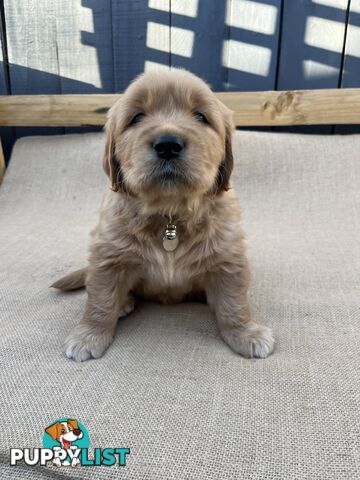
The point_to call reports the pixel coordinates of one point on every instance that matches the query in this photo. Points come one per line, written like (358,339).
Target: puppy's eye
(63,430)
(136,118)
(200,117)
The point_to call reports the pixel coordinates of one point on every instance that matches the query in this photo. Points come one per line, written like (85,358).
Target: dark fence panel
(312,47)
(351,61)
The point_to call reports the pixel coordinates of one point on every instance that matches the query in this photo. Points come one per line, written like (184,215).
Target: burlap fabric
(168,387)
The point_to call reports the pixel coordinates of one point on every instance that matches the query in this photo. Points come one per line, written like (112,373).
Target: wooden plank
(299,107)
(197,33)
(140,38)
(251,50)
(351,69)
(55,110)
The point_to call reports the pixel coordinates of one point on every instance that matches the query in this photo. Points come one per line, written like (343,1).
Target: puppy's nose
(77,431)
(168,146)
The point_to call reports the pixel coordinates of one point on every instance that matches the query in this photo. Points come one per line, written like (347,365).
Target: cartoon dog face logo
(67,438)
(65,432)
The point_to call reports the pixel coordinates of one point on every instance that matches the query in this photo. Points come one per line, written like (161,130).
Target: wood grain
(32,52)
(32,46)
(298,107)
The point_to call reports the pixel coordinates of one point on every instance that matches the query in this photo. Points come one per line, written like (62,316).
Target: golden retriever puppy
(170,223)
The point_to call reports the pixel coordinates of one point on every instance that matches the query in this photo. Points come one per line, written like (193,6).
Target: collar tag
(170,237)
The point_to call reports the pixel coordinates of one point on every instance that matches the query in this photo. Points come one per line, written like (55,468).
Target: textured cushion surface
(168,387)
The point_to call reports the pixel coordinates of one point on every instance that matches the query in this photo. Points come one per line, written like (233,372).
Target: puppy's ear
(53,430)
(110,163)
(227,165)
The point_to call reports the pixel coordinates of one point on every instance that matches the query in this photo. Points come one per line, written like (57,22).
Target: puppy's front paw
(252,341)
(87,341)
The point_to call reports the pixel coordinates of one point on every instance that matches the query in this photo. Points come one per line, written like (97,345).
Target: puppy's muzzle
(168,147)
(77,431)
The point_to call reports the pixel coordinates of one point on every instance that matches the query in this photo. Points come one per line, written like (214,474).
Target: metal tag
(170,245)
(170,238)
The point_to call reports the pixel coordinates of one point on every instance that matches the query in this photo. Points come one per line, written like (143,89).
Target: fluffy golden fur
(127,257)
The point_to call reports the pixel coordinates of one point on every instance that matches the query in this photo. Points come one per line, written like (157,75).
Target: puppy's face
(169,135)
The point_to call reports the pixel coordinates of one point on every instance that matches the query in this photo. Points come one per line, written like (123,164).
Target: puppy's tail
(72,281)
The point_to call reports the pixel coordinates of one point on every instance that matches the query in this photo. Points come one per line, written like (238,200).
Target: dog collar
(170,237)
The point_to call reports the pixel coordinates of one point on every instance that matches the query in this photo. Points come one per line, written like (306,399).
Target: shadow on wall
(232,44)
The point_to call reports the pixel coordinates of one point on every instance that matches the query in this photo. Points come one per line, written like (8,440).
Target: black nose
(77,431)
(168,146)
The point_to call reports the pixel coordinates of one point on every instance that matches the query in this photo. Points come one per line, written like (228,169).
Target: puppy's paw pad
(86,342)
(255,341)
(128,307)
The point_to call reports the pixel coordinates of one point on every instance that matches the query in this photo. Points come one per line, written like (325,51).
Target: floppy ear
(73,424)
(226,166)
(53,430)
(111,165)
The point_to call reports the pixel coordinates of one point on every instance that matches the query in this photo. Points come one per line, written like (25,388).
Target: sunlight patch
(253,16)
(247,58)
(312,69)
(189,8)
(325,34)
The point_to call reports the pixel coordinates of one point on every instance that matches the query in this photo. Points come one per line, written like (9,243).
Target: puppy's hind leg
(108,298)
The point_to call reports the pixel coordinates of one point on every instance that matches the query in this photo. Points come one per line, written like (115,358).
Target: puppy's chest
(171,274)
(164,269)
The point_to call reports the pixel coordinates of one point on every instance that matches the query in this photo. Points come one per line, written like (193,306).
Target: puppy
(170,223)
